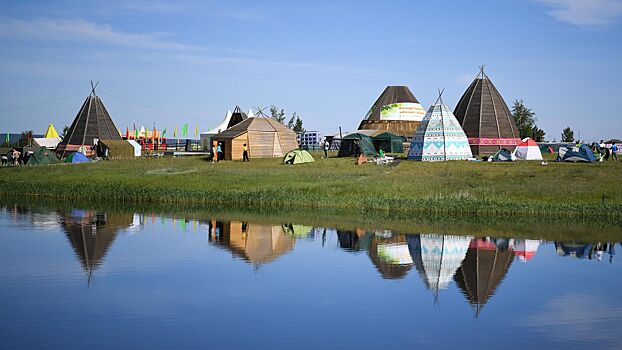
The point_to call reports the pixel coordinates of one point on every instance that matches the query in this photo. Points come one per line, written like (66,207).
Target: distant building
(310,139)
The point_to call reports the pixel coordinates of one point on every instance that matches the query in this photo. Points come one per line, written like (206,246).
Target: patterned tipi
(439,137)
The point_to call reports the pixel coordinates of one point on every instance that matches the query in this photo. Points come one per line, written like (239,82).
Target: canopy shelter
(439,137)
(481,272)
(580,154)
(360,142)
(390,256)
(486,118)
(42,156)
(527,149)
(437,257)
(263,136)
(49,143)
(298,156)
(115,149)
(231,119)
(256,243)
(76,157)
(397,110)
(92,234)
(91,124)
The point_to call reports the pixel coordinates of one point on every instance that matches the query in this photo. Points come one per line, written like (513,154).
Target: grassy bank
(470,189)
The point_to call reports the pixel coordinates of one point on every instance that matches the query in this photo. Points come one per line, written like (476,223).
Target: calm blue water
(84,279)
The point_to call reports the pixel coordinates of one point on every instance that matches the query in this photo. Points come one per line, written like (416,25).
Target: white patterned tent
(439,137)
(437,257)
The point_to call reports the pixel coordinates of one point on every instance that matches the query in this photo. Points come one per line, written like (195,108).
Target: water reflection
(590,251)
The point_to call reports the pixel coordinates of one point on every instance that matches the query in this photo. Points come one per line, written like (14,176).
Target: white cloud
(77,30)
(584,12)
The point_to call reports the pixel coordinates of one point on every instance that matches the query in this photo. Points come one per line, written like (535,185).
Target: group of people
(13,158)
(606,150)
(217,152)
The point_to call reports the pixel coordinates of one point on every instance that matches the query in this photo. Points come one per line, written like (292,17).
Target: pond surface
(77,278)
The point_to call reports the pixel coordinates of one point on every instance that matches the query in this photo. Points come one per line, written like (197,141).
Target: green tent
(298,156)
(42,156)
(298,231)
(388,142)
(349,145)
(503,155)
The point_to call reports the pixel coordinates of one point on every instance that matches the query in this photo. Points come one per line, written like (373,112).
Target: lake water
(77,278)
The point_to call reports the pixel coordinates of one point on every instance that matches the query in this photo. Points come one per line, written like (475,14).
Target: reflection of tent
(91,235)
(527,149)
(297,231)
(42,156)
(360,137)
(255,243)
(486,118)
(264,137)
(578,250)
(439,137)
(391,257)
(396,110)
(503,155)
(526,249)
(353,240)
(581,154)
(298,156)
(437,257)
(481,272)
(76,157)
(92,122)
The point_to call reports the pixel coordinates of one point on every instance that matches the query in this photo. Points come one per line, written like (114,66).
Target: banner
(402,111)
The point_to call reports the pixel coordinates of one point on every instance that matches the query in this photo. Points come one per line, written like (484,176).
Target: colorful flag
(127,133)
(7,139)
(175,132)
(196,132)
(163,133)
(184,130)
(135,134)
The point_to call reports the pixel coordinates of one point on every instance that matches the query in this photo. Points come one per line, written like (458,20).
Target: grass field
(525,189)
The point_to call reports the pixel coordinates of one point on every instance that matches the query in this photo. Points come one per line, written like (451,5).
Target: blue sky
(189,62)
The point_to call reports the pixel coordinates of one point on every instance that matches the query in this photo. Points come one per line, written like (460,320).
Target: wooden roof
(390,95)
(262,124)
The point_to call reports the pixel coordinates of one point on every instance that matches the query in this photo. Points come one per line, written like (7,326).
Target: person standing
(326,145)
(614,152)
(245,153)
(221,154)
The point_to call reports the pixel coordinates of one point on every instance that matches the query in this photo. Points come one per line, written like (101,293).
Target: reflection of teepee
(437,257)
(481,272)
(91,235)
(255,243)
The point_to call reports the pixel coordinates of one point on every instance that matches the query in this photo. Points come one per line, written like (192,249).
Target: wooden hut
(486,118)
(264,137)
(397,110)
(92,123)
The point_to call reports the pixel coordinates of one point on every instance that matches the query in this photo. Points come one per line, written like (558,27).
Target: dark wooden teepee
(391,95)
(92,122)
(486,118)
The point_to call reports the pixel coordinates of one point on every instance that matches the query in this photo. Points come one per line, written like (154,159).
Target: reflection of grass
(500,190)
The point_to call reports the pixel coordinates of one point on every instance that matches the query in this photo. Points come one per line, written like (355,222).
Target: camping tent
(92,123)
(264,137)
(486,118)
(361,137)
(439,137)
(76,157)
(298,156)
(546,149)
(51,132)
(387,142)
(502,155)
(230,120)
(115,149)
(396,110)
(137,148)
(42,156)
(581,154)
(527,149)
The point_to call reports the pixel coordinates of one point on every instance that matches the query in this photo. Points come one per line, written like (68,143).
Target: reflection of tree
(91,234)
(481,272)
(255,243)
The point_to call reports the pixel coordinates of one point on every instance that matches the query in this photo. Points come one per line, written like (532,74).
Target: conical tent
(439,137)
(92,122)
(486,118)
(50,132)
(527,149)
(396,110)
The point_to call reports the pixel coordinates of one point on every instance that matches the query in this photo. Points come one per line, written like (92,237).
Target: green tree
(292,121)
(298,125)
(525,119)
(26,138)
(567,135)
(278,115)
(537,134)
